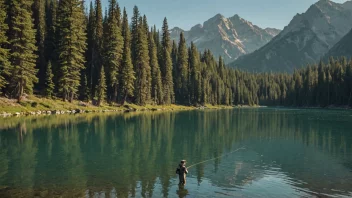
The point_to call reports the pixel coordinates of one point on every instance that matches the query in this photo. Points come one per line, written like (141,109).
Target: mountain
(342,48)
(304,41)
(229,37)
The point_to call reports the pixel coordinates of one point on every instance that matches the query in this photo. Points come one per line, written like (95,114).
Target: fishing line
(215,158)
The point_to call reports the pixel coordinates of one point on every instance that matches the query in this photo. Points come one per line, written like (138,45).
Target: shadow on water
(288,153)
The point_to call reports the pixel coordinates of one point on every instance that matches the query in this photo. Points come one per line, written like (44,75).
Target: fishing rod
(215,158)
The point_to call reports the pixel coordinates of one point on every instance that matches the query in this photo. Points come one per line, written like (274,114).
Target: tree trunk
(20,91)
(71,97)
(124,99)
(114,97)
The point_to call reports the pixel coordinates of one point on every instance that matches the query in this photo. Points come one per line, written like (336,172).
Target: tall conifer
(118,14)
(100,94)
(22,44)
(4,52)
(195,81)
(39,24)
(51,41)
(142,89)
(166,65)
(156,85)
(91,51)
(49,84)
(127,72)
(134,34)
(113,50)
(72,46)
(182,72)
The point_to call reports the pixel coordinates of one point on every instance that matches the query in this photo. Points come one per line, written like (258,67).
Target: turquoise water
(287,153)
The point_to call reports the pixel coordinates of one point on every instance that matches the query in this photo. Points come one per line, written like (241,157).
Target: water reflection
(288,153)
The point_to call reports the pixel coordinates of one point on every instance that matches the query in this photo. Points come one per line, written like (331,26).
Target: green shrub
(34,104)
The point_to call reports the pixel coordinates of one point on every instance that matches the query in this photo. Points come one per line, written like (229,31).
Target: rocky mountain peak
(229,37)
(214,21)
(324,3)
(304,40)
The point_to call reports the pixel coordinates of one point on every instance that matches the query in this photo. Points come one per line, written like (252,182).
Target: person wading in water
(182,172)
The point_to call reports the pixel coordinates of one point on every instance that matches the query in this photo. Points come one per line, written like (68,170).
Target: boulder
(82,104)
(78,111)
(4,114)
(17,114)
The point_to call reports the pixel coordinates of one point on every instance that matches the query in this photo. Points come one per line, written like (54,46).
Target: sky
(187,13)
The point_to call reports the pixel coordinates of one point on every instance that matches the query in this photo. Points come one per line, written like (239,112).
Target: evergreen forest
(60,49)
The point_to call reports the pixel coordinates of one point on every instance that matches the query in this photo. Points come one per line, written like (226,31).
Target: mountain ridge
(227,37)
(303,41)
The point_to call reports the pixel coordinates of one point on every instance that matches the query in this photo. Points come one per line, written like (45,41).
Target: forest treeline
(61,49)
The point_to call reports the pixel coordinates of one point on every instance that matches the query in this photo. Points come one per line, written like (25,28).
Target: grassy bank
(33,104)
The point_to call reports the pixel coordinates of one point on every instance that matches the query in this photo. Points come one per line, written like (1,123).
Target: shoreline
(331,107)
(34,106)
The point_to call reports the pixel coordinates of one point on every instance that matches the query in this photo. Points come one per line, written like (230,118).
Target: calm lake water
(287,153)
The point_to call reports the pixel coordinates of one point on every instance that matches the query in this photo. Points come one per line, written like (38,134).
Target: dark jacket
(181,170)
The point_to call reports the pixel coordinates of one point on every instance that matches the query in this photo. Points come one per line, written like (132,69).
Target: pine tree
(51,37)
(166,65)
(100,94)
(22,44)
(39,24)
(95,51)
(149,69)
(72,46)
(98,35)
(127,73)
(49,84)
(91,50)
(118,14)
(182,72)
(156,85)
(145,25)
(142,89)
(195,81)
(134,35)
(113,50)
(174,54)
(4,53)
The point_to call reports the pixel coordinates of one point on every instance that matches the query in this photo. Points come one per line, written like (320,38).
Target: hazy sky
(187,13)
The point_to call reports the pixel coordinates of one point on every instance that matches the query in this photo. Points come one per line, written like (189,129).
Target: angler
(182,172)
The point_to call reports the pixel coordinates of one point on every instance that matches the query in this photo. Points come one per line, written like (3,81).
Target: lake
(285,153)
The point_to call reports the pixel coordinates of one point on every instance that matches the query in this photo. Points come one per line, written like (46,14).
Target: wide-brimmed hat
(183,161)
